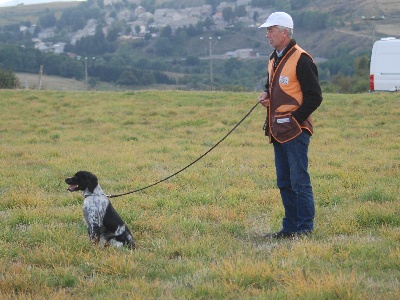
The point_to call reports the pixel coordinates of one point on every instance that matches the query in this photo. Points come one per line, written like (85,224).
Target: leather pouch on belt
(285,128)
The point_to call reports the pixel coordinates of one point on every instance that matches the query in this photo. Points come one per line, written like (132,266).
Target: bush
(8,80)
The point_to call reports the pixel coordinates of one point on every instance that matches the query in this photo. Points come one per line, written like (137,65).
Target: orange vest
(285,97)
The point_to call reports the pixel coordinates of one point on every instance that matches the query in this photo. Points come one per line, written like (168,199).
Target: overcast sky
(15,2)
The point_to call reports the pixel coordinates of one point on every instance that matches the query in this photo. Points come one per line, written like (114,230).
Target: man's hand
(264,99)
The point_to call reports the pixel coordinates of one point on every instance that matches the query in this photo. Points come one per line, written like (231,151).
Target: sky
(4,3)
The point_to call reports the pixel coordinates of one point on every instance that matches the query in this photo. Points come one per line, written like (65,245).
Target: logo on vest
(283,120)
(284,80)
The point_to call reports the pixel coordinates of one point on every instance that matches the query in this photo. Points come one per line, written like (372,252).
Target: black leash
(192,163)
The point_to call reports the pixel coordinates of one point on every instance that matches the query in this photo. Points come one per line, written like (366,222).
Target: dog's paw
(115,243)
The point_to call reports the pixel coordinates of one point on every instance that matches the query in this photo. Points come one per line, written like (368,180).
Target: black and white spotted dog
(104,224)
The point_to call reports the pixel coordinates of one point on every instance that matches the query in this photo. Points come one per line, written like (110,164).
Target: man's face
(277,39)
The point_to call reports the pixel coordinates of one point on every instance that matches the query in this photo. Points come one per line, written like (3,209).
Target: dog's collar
(97,191)
(92,194)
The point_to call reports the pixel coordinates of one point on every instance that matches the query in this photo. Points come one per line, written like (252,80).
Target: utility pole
(371,24)
(210,57)
(40,77)
(211,67)
(85,60)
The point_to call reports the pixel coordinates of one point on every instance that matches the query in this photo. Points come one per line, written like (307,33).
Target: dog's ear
(92,182)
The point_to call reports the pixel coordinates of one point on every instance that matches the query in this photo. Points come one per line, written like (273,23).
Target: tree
(231,65)
(282,5)
(147,78)
(361,65)
(112,35)
(311,19)
(31,59)
(71,69)
(240,11)
(192,31)
(298,4)
(207,23)
(149,5)
(142,63)
(11,58)
(228,14)
(166,32)
(137,29)
(52,63)
(163,47)
(77,20)
(93,45)
(127,78)
(47,21)
(255,16)
(192,61)
(262,3)
(8,80)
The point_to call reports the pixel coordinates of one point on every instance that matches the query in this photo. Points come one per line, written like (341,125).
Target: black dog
(103,222)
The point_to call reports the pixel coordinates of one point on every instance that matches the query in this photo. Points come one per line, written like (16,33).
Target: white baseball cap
(278,18)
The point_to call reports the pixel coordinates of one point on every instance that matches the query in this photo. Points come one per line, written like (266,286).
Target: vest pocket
(285,127)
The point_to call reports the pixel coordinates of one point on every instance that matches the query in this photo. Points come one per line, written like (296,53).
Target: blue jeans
(293,180)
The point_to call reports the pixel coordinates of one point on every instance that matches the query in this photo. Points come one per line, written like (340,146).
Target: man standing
(292,93)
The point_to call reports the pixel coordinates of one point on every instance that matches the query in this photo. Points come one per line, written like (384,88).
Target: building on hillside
(181,17)
(124,15)
(243,2)
(246,21)
(88,30)
(142,20)
(139,10)
(219,21)
(47,33)
(113,2)
(57,48)
(39,45)
(241,54)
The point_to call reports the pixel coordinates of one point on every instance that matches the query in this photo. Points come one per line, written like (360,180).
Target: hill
(347,14)
(24,13)
(351,12)
(344,36)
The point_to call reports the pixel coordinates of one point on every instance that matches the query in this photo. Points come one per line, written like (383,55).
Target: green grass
(199,233)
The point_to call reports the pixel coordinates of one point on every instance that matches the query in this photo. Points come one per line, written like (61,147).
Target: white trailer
(384,72)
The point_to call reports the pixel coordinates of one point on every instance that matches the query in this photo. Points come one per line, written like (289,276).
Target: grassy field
(199,234)
(56,83)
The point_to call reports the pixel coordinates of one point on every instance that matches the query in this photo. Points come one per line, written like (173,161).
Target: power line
(371,24)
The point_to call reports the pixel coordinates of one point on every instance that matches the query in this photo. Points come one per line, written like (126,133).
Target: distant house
(57,48)
(47,33)
(246,21)
(242,2)
(23,28)
(241,53)
(181,17)
(124,15)
(139,10)
(41,46)
(142,19)
(90,29)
